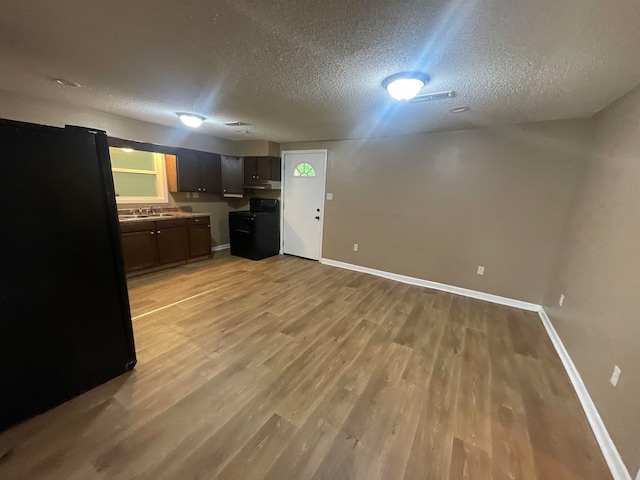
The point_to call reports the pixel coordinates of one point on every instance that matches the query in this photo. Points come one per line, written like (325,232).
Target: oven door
(242,235)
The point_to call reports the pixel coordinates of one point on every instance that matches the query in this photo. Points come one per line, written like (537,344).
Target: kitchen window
(138,177)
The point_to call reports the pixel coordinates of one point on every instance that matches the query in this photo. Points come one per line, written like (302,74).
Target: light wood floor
(287,369)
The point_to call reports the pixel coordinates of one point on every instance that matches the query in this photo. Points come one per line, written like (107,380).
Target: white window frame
(161,182)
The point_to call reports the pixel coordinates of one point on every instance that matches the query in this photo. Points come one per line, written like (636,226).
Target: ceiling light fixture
(66,83)
(191,120)
(459,109)
(127,150)
(405,85)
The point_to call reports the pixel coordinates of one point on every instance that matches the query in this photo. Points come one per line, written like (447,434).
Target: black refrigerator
(65,323)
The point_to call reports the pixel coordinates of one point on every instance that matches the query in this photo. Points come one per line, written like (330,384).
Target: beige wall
(435,206)
(599,274)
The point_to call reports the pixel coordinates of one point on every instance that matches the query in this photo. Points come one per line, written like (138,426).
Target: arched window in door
(304,170)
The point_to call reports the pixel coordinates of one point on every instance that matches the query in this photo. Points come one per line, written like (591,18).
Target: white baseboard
(217,248)
(435,285)
(609,451)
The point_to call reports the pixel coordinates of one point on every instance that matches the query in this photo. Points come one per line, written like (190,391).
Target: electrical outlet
(355,247)
(561,301)
(615,376)
(329,196)
(188,194)
(195,194)
(480,270)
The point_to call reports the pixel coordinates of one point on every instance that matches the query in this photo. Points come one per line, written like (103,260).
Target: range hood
(268,185)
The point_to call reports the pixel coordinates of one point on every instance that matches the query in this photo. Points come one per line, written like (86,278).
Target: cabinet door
(263,168)
(250,170)
(199,240)
(276,168)
(188,166)
(139,250)
(232,176)
(210,170)
(173,245)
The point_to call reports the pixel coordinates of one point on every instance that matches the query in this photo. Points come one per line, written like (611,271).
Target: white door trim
(324,193)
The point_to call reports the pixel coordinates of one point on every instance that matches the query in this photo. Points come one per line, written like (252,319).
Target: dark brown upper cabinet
(210,171)
(261,169)
(192,171)
(232,177)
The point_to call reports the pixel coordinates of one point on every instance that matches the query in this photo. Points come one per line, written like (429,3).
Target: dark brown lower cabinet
(139,248)
(173,244)
(149,245)
(199,236)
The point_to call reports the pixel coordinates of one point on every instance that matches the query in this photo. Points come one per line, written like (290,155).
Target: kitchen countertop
(171,215)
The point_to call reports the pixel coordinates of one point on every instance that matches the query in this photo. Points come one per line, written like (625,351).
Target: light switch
(615,376)
(329,196)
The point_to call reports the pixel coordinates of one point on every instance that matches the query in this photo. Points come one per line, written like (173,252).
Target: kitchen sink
(137,215)
(160,215)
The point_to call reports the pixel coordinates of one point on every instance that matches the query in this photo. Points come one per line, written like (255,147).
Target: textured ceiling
(311,69)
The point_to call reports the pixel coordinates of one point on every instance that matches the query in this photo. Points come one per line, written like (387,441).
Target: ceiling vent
(427,97)
(66,83)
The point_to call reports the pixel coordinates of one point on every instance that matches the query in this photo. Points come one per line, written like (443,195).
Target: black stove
(255,233)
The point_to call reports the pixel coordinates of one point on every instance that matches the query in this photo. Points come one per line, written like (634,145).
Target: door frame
(324,193)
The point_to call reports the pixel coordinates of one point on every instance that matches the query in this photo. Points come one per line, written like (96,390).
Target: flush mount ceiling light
(191,120)
(459,109)
(405,85)
(127,150)
(66,83)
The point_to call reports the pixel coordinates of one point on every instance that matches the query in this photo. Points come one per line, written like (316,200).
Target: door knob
(318,210)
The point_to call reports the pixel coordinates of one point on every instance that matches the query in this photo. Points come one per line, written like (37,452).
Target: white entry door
(303,202)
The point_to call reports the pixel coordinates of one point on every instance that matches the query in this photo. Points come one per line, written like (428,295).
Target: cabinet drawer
(127,227)
(198,221)
(172,223)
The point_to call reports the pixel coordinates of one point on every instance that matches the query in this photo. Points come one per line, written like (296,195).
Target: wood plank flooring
(288,369)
